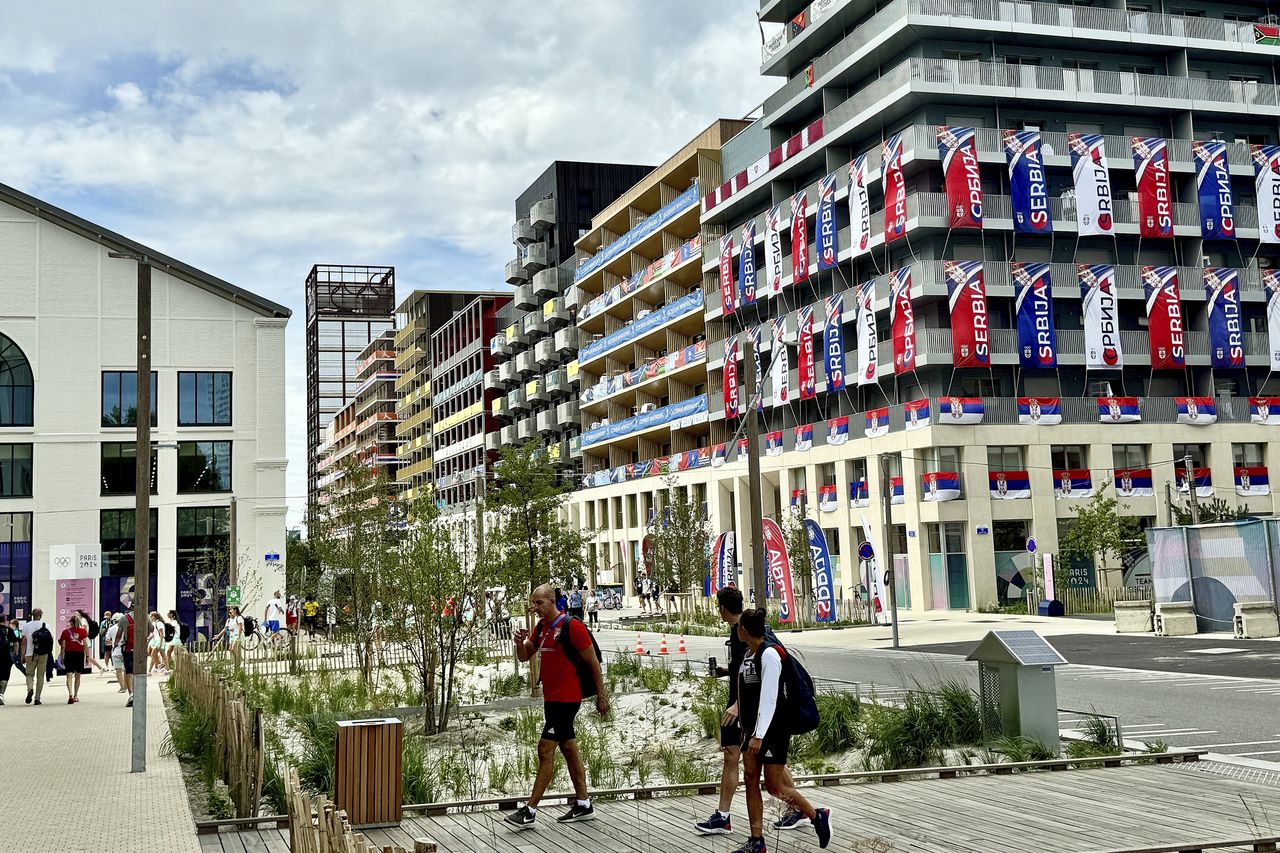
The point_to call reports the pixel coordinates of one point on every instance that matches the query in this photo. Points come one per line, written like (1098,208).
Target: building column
(981,548)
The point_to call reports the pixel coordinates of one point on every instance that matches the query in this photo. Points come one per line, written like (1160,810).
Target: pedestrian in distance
(71,647)
(125,640)
(155,644)
(569,662)
(593,609)
(16,627)
(175,635)
(273,613)
(108,619)
(233,630)
(310,613)
(37,650)
(577,605)
(115,647)
(562,601)
(93,631)
(8,651)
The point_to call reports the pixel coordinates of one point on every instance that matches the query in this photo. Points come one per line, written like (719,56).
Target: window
(15,562)
(204,399)
(117,531)
(1072,457)
(1248,455)
(120,398)
(15,470)
(1129,456)
(204,466)
(17,387)
(203,533)
(120,468)
(1195,451)
(1005,459)
(962,55)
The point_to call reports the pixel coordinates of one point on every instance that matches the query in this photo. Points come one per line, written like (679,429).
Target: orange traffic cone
(662,649)
(682,650)
(639,647)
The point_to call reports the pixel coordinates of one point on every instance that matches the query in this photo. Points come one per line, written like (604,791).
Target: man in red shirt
(562,696)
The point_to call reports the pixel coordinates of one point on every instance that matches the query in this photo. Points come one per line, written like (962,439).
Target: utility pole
(1191,490)
(233,572)
(890,576)
(755,508)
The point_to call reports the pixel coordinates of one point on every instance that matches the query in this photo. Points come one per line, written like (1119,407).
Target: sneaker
(793,819)
(38,702)
(521,818)
(129,704)
(715,825)
(576,813)
(822,826)
(30,693)
(752,845)
(71,700)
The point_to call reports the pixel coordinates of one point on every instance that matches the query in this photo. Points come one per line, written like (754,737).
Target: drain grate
(1240,772)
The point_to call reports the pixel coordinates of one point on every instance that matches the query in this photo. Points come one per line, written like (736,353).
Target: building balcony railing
(535,391)
(535,325)
(535,256)
(566,340)
(406,333)
(547,422)
(546,283)
(543,213)
(568,414)
(515,273)
(525,365)
(517,401)
(492,382)
(522,232)
(557,383)
(509,435)
(524,429)
(499,348)
(555,313)
(507,373)
(523,299)
(499,409)
(545,352)
(493,441)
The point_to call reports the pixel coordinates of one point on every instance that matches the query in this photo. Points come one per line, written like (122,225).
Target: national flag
(960,411)
(896,493)
(773,443)
(1155,198)
(1213,190)
(779,370)
(1196,411)
(1118,410)
(1033,298)
(806,368)
(719,453)
(827,498)
(731,378)
(1092,180)
(961,176)
(1009,485)
(779,574)
(838,430)
(1028,187)
(916,413)
(1134,483)
(799,497)
(756,337)
(740,454)
(824,583)
(1226,325)
(1266,34)
(902,319)
(869,346)
(1271,288)
(1102,349)
(1203,479)
(941,486)
(799,238)
(895,189)
(877,423)
(833,341)
(1072,484)
(970,326)
(747,265)
(859,206)
(727,300)
(804,437)
(1266,181)
(1045,411)
(825,224)
(1264,410)
(1252,481)
(859,494)
(773,252)
(1165,323)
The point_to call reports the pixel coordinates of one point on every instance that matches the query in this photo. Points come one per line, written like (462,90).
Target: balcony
(547,422)
(516,400)
(507,373)
(499,409)
(493,441)
(561,458)
(524,429)
(522,232)
(535,325)
(536,391)
(535,256)
(544,353)
(517,339)
(566,340)
(557,383)
(493,381)
(543,213)
(509,435)
(555,313)
(499,348)
(525,364)
(516,273)
(567,414)
(546,283)
(523,299)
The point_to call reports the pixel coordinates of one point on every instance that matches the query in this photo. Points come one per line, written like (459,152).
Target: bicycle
(278,641)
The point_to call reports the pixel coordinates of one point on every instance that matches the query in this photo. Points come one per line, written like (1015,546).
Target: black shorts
(773,748)
(128,662)
(731,735)
(73,661)
(559,721)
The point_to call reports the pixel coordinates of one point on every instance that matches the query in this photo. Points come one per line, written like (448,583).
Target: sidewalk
(66,772)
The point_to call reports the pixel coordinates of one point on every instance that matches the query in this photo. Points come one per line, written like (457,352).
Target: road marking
(1217,650)
(1242,743)
(1265,752)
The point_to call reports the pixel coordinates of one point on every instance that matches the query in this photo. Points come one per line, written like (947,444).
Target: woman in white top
(155,645)
(593,608)
(115,648)
(233,631)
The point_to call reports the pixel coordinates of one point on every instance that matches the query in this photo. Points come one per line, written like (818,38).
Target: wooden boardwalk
(1073,811)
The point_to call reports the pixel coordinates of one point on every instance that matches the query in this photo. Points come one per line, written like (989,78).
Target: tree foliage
(796,539)
(1211,511)
(679,540)
(1099,529)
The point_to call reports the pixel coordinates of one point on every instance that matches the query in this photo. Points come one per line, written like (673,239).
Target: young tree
(302,566)
(206,579)
(1098,529)
(679,540)
(796,538)
(1211,511)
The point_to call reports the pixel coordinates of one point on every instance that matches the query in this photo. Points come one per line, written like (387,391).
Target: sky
(254,139)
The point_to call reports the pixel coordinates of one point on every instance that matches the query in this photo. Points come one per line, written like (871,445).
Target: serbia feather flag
(828,251)
(896,494)
(1040,410)
(970,327)
(1204,481)
(804,437)
(773,443)
(1027,184)
(941,486)
(960,411)
(1037,339)
(961,175)
(747,265)
(727,296)
(827,499)
(824,592)
(1266,179)
(1072,484)
(1165,322)
(838,430)
(1151,174)
(1134,483)
(1213,190)
(1264,410)
(1226,324)
(895,189)
(859,494)
(916,413)
(1252,481)
(799,238)
(804,353)
(1196,411)
(1009,485)
(833,340)
(1092,184)
(1118,410)
(877,423)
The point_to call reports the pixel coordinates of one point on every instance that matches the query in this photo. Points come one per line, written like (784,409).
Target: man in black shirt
(730,602)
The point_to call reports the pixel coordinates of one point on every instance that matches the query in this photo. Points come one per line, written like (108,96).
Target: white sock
(724,815)
(531,809)
(586,804)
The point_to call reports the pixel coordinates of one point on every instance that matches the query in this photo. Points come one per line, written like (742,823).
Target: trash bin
(368,783)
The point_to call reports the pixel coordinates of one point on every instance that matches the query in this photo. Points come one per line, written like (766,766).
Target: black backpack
(586,680)
(250,625)
(168,632)
(42,641)
(797,693)
(184,632)
(93,629)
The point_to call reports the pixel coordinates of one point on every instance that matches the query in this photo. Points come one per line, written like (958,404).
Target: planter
(1133,617)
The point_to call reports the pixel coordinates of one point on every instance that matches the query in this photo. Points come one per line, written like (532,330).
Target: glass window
(1072,457)
(1248,455)
(15,470)
(120,469)
(203,531)
(120,398)
(204,466)
(1005,458)
(204,399)
(116,532)
(17,386)
(1129,456)
(1195,451)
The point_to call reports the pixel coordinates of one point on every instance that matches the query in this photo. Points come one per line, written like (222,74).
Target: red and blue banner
(902,318)
(1033,299)
(773,443)
(773,252)
(804,437)
(747,265)
(1165,327)
(1226,326)
(1252,481)
(970,325)
(1072,484)
(895,189)
(824,572)
(741,451)
(833,342)
(1213,190)
(877,423)
(779,369)
(1264,410)
(896,493)
(804,353)
(1196,411)
(1271,290)
(731,378)
(727,302)
(828,501)
(1009,485)
(859,494)
(865,327)
(719,453)
(941,486)
(1045,411)
(1266,184)
(1118,410)
(838,431)
(916,413)
(1027,185)
(1155,196)
(779,566)
(828,251)
(724,562)
(1102,350)
(1203,479)
(963,178)
(799,238)
(960,411)
(1134,483)
(859,206)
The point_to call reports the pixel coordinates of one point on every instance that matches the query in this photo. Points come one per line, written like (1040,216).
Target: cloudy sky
(253,139)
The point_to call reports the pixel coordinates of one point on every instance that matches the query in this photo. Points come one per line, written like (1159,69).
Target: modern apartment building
(364,431)
(1053,277)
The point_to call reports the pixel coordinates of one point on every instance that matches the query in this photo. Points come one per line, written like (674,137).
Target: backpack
(168,632)
(184,632)
(798,694)
(128,636)
(93,629)
(250,625)
(42,641)
(586,680)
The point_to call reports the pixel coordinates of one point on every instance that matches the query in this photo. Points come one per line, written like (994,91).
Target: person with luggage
(38,652)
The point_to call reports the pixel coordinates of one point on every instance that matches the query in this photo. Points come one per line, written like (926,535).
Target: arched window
(17,388)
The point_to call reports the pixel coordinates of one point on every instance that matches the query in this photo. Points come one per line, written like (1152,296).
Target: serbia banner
(824,573)
(1226,327)
(1213,190)
(1046,411)
(775,549)
(779,369)
(1118,410)
(869,346)
(804,353)
(1009,485)
(877,423)
(747,265)
(838,430)
(1202,476)
(1027,185)
(1266,182)
(1196,411)
(859,206)
(773,443)
(1252,481)
(833,342)
(773,252)
(1094,212)
(960,411)
(895,189)
(902,320)
(941,486)
(1164,318)
(896,493)
(1155,198)
(859,494)
(1101,317)
(731,379)
(1264,410)
(828,500)
(1037,340)
(963,179)
(804,437)
(726,274)
(1072,484)
(825,223)
(1271,289)
(916,413)
(799,238)
(1134,483)
(756,343)
(970,327)
(724,562)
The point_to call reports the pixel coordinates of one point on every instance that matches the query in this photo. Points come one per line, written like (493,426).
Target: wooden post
(142,522)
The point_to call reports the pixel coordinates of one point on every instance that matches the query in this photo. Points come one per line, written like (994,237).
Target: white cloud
(127,95)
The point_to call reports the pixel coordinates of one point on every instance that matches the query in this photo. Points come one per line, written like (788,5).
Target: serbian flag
(895,189)
(719,453)
(727,302)
(833,340)
(773,252)
(825,223)
(1252,481)
(1264,410)
(1033,302)
(867,339)
(859,206)
(1197,411)
(1040,410)
(827,499)
(1271,290)
(731,379)
(1118,410)
(779,371)
(804,353)
(1165,323)
(747,265)
(1266,180)
(1134,483)
(1204,481)
(859,494)
(896,494)
(1226,326)
(970,326)
(963,179)
(798,499)
(799,238)
(1092,184)
(1102,350)
(960,411)
(741,453)
(838,430)
(1009,485)
(916,413)
(1213,190)
(941,486)
(1028,187)
(902,320)
(755,334)
(1072,484)
(804,437)
(877,423)
(773,443)
(1151,173)
(779,574)
(724,565)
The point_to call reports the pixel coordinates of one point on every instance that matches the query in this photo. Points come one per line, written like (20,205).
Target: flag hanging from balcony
(804,437)
(859,206)
(1134,483)
(1226,326)
(916,413)
(727,303)
(1165,326)
(877,423)
(1155,198)
(799,497)
(970,327)
(719,453)
(941,486)
(833,342)
(1118,410)
(1033,301)
(731,378)
(1252,481)
(779,368)
(960,411)
(895,189)
(961,175)
(1271,288)
(825,224)
(1196,411)
(799,238)
(1266,181)
(1072,484)
(804,353)
(1094,209)
(838,430)
(865,328)
(1009,485)
(902,319)
(773,252)
(859,494)
(1028,189)
(1202,476)
(756,338)
(1213,190)
(1102,349)
(827,498)
(1264,410)
(747,265)
(896,493)
(773,443)
(1045,411)
(740,454)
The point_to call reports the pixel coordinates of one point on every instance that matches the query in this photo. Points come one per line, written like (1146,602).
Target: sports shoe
(752,845)
(822,826)
(30,693)
(715,825)
(71,701)
(38,702)
(793,819)
(576,813)
(129,704)
(521,818)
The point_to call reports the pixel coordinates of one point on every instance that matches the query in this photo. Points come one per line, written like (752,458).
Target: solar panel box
(1016,686)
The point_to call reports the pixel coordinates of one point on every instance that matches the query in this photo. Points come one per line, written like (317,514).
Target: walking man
(38,645)
(273,613)
(576,605)
(568,663)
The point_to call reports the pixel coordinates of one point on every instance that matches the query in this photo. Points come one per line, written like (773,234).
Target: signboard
(75,561)
(1031,544)
(233,596)
(73,594)
(866,552)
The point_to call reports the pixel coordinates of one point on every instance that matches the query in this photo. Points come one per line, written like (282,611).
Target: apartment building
(364,431)
(998,257)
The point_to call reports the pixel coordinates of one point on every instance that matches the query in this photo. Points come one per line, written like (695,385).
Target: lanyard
(551,629)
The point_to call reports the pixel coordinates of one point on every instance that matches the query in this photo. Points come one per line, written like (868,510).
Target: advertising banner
(731,379)
(727,303)
(1033,300)
(859,206)
(902,320)
(679,308)
(1009,485)
(824,572)
(724,562)
(799,238)
(1226,326)
(773,252)
(1094,209)
(970,326)
(1213,190)
(648,226)
(895,189)
(1101,317)
(779,566)
(962,176)
(1266,182)
(685,413)
(779,368)
(1196,411)
(1134,483)
(1044,411)
(1028,188)
(1155,198)
(1164,318)
(747,265)
(825,224)
(869,346)
(833,342)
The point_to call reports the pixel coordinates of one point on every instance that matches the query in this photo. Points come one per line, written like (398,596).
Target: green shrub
(513,684)
(837,724)
(1021,748)
(317,740)
(656,679)
(959,705)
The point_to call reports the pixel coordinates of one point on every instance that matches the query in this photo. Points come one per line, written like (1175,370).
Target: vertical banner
(804,353)
(726,274)
(868,345)
(757,341)
(73,594)
(1027,185)
(1226,327)
(747,265)
(773,251)
(1266,182)
(1094,210)
(859,206)
(824,588)
(779,570)
(799,238)
(1033,300)
(1165,326)
(902,320)
(1155,197)
(1271,287)
(779,369)
(962,176)
(970,329)
(825,224)
(895,189)
(1102,349)
(731,378)
(717,579)
(1213,190)
(833,342)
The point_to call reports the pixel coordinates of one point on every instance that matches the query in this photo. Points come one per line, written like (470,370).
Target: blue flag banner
(824,592)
